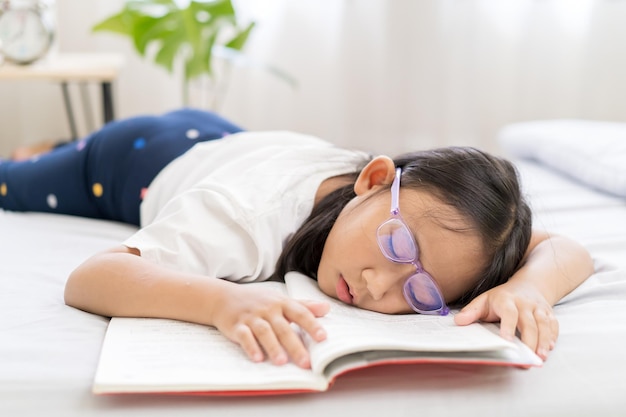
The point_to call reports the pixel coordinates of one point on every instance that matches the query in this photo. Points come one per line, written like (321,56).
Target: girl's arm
(121,283)
(552,267)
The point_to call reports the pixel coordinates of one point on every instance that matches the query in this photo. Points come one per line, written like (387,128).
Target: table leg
(107,102)
(88,111)
(69,111)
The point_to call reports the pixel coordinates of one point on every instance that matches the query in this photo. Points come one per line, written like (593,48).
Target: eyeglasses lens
(396,242)
(421,292)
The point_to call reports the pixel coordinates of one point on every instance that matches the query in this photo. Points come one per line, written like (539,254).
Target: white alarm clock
(25,32)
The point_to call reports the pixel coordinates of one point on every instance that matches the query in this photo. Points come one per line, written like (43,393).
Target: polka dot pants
(106,174)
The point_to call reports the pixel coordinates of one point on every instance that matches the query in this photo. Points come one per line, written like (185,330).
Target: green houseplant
(194,31)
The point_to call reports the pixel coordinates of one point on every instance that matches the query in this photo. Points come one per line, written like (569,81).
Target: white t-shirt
(225,208)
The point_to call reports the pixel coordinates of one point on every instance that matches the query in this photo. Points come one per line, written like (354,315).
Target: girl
(417,233)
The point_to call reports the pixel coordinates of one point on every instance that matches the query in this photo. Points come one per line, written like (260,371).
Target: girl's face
(354,270)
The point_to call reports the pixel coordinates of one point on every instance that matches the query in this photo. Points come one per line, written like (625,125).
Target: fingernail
(280,359)
(507,335)
(320,335)
(304,362)
(543,353)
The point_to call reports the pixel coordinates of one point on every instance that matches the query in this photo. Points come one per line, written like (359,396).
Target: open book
(168,356)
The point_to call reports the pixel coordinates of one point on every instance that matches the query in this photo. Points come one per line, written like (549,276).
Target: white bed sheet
(48,351)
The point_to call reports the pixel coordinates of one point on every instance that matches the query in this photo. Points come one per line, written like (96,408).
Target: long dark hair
(303,250)
(484,188)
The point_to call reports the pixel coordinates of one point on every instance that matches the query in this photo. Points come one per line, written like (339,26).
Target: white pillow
(591,151)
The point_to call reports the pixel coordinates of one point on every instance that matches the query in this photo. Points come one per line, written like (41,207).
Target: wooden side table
(78,68)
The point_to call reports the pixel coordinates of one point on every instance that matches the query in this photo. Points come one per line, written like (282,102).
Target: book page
(351,329)
(148,355)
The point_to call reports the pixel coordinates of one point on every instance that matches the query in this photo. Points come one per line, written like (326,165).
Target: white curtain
(382,75)
(395,75)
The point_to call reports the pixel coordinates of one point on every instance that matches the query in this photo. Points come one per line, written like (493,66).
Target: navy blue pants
(105,175)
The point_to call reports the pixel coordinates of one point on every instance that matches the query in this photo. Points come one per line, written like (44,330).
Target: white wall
(383,75)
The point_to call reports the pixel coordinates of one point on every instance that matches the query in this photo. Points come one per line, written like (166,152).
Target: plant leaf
(121,23)
(167,54)
(219,8)
(200,61)
(190,30)
(239,40)
(145,30)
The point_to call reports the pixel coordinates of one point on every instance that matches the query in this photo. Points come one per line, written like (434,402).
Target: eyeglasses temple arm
(395,192)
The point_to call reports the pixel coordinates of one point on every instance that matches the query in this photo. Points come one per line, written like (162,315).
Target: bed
(49,352)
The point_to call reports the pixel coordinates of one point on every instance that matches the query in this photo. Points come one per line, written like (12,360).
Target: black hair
(483,188)
(303,250)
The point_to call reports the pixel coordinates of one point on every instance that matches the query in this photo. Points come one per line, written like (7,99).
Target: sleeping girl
(216,206)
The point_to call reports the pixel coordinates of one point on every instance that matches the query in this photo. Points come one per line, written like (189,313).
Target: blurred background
(385,76)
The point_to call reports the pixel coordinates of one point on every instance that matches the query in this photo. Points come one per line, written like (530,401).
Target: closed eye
(402,245)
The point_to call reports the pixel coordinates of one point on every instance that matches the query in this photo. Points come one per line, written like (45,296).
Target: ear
(379,171)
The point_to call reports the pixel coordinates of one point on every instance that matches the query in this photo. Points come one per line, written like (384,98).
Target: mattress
(49,351)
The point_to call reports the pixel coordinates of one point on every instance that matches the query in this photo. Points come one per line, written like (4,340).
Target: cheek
(330,265)
(325,280)
(454,260)
(350,244)
(454,282)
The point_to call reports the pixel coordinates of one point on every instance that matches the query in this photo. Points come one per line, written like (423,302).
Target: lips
(343,291)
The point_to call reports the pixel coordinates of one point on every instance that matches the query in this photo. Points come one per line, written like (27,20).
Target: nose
(380,281)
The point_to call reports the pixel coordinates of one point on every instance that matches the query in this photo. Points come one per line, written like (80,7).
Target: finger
(265,336)
(243,336)
(509,320)
(291,342)
(472,312)
(555,331)
(307,321)
(529,328)
(544,336)
(318,308)
(545,327)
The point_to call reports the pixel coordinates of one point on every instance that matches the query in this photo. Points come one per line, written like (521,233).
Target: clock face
(24,35)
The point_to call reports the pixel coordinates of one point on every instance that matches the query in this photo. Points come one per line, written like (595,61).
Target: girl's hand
(260,322)
(518,305)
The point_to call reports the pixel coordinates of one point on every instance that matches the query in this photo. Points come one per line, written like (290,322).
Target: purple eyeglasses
(396,242)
